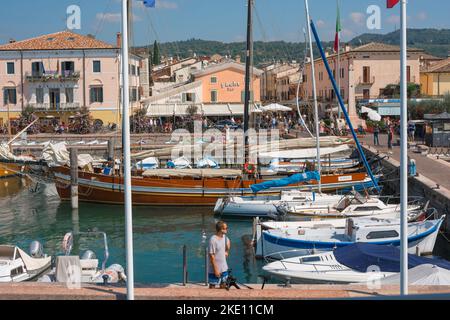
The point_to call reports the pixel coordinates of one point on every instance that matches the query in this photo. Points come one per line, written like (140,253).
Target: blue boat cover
(361,256)
(296,178)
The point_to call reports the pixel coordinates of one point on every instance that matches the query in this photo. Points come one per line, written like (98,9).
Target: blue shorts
(212,279)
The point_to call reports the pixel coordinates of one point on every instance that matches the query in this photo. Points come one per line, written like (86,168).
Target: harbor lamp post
(126,152)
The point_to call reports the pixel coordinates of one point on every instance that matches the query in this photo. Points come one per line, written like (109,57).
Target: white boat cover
(207,163)
(422,275)
(6,154)
(203,173)
(304,153)
(33,264)
(58,155)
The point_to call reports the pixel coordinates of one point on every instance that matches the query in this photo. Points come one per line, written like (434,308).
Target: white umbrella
(276,107)
(371,114)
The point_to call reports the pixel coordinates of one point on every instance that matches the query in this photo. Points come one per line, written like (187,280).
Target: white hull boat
(17,266)
(358,263)
(282,243)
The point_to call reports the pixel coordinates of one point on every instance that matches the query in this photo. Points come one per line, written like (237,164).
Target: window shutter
(92,94)
(14,96)
(183,97)
(101,95)
(5,97)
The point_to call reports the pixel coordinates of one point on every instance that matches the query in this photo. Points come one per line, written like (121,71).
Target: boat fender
(67,243)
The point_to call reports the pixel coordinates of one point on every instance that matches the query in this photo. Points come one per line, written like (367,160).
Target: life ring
(249,168)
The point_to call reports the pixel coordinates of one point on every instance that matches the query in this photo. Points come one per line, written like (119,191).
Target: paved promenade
(43,291)
(433,169)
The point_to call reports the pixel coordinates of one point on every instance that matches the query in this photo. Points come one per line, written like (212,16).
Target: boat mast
(248,64)
(126,12)
(314,89)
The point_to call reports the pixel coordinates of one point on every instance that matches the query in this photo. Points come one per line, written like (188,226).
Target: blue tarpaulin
(361,256)
(296,178)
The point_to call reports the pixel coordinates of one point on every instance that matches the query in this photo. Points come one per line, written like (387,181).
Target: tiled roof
(439,66)
(381,47)
(230,64)
(57,41)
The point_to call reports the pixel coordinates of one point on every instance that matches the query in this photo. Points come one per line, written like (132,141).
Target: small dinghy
(282,243)
(75,270)
(356,263)
(17,266)
(148,164)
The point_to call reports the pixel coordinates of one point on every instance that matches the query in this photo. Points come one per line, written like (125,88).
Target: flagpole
(403,156)
(126,152)
(316,108)
(339,60)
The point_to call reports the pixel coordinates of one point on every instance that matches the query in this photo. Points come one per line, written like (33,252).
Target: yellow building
(435,78)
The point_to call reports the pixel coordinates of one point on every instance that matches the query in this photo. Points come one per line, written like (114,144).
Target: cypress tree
(156,54)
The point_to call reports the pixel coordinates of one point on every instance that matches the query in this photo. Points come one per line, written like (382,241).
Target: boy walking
(219,248)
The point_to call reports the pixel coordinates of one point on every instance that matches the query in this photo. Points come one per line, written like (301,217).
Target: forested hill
(433,41)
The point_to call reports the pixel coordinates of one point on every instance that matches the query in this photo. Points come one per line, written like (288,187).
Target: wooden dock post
(74,177)
(111,143)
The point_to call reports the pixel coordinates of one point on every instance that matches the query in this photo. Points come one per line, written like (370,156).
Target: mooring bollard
(206,266)
(111,144)
(74,177)
(185,265)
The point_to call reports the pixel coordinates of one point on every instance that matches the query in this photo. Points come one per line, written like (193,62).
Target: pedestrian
(376,132)
(219,248)
(390,137)
(411,131)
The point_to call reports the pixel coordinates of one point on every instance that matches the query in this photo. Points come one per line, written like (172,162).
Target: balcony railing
(53,76)
(59,107)
(366,81)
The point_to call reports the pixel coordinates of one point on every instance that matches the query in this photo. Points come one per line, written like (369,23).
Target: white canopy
(371,114)
(425,274)
(275,107)
(304,153)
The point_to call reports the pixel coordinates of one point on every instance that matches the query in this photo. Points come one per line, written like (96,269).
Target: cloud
(357,18)
(347,33)
(422,16)
(321,23)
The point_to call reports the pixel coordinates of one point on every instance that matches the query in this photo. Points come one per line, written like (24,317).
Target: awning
(212,110)
(160,110)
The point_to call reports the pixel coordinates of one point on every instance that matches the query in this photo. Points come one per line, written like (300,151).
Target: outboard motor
(88,255)
(115,273)
(36,249)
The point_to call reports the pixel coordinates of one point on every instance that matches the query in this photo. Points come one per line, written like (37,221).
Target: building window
(96,94)
(133,70)
(40,95)
(97,67)
(133,95)
(188,97)
(69,95)
(408,74)
(342,73)
(366,74)
(214,96)
(366,94)
(305,78)
(10,67)
(37,69)
(9,96)
(213,79)
(67,68)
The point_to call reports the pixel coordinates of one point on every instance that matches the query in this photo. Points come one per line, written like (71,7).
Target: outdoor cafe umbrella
(275,107)
(371,114)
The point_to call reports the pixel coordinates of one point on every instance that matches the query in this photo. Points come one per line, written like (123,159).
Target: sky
(222,20)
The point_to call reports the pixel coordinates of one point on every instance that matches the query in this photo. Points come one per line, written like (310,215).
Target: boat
(186,187)
(75,270)
(351,205)
(17,266)
(266,205)
(281,243)
(356,263)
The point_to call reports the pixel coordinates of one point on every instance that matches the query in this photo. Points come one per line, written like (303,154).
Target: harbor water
(30,211)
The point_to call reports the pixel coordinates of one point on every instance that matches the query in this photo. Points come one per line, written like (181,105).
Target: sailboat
(195,186)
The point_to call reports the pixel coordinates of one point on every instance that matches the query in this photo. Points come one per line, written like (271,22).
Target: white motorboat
(266,206)
(282,243)
(351,205)
(17,266)
(357,263)
(75,270)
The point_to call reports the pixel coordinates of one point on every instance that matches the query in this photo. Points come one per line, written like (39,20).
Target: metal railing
(61,107)
(50,76)
(366,80)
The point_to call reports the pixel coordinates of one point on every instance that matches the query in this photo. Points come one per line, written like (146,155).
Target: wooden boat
(176,187)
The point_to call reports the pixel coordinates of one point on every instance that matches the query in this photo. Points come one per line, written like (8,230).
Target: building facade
(363,73)
(435,78)
(59,74)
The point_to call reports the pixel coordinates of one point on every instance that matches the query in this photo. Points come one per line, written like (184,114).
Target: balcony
(56,107)
(366,81)
(53,76)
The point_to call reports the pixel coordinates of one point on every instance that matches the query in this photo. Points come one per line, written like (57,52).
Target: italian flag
(392,3)
(338,30)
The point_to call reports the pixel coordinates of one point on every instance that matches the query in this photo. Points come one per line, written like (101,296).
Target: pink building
(364,72)
(58,74)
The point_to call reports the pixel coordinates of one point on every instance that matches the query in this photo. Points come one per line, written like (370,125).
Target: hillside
(433,41)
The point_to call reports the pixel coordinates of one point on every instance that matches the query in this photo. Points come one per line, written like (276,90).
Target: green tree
(156,54)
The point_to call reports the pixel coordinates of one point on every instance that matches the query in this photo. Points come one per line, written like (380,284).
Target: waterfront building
(216,90)
(364,72)
(58,74)
(435,78)
(275,81)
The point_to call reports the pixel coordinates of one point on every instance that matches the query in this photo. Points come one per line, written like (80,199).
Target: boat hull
(100,188)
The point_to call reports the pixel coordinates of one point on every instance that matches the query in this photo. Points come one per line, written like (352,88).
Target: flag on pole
(338,30)
(392,3)
(150,3)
